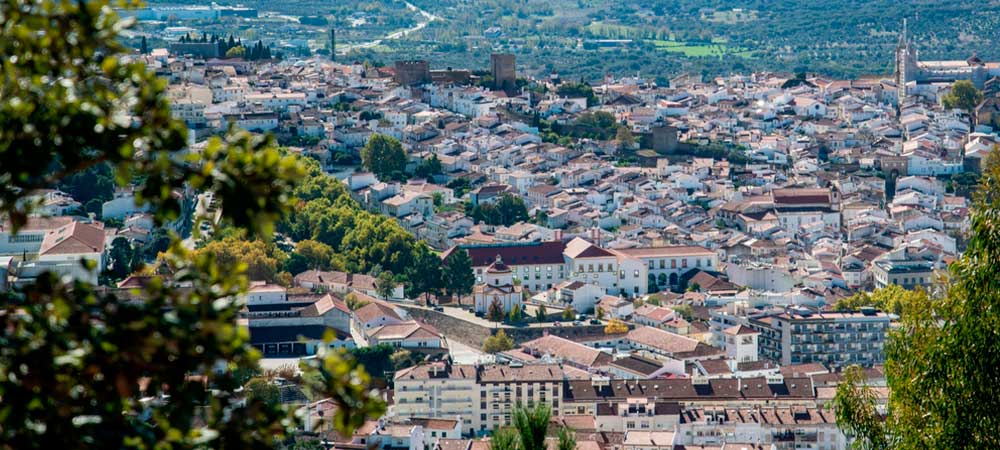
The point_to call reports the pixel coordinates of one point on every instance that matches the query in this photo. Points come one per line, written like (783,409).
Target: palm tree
(567,439)
(503,439)
(532,426)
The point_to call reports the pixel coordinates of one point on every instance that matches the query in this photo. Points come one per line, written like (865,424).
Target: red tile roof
(75,237)
(515,254)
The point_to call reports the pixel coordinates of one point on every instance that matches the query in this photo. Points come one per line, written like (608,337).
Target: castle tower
(503,69)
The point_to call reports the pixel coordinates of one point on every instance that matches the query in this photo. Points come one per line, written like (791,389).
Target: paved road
(428,18)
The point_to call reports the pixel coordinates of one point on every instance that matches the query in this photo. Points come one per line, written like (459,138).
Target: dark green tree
(507,210)
(263,390)
(458,275)
(91,187)
(428,167)
(70,100)
(384,156)
(424,275)
(385,283)
(123,259)
(499,342)
(515,314)
(577,90)
(143,46)
(511,209)
(963,95)
(377,360)
(856,404)
(541,315)
(941,359)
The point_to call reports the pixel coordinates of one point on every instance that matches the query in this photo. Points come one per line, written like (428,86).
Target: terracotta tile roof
(799,196)
(438,370)
(737,330)
(638,365)
(514,254)
(37,223)
(580,248)
(374,310)
(434,424)
(406,330)
(324,305)
(671,251)
(655,313)
(715,366)
(756,388)
(529,372)
(453,444)
(662,340)
(73,238)
(567,350)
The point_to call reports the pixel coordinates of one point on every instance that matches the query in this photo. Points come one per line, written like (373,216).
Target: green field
(717,48)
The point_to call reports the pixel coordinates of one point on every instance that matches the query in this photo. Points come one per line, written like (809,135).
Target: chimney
(558,235)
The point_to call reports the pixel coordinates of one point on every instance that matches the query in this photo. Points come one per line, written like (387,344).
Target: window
(673,263)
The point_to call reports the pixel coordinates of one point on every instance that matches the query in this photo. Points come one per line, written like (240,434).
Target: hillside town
(662,267)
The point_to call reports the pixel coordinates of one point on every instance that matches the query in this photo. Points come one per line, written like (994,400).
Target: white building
(497,286)
(740,343)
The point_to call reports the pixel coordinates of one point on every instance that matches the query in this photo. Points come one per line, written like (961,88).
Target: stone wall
(567,330)
(468,333)
(473,334)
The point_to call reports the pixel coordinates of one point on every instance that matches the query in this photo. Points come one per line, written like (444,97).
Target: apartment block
(836,339)
(438,391)
(504,388)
